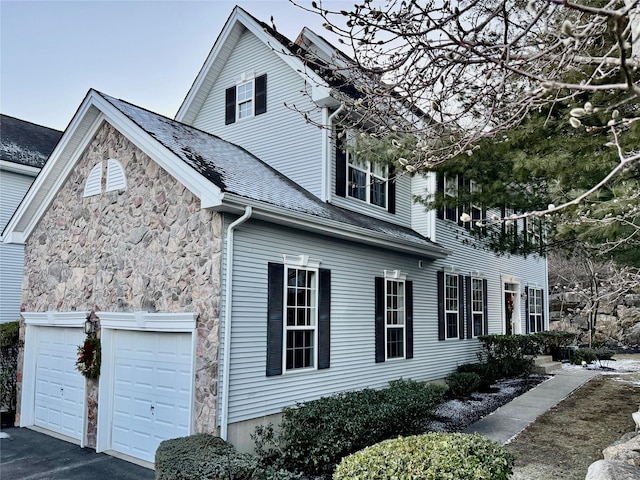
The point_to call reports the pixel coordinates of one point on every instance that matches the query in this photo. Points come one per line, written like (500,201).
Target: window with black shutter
(246,99)
(299,318)
(393,318)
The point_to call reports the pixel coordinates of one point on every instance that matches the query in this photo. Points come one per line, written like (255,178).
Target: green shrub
(9,346)
(314,436)
(487,373)
(435,456)
(590,355)
(555,343)
(509,355)
(462,384)
(204,457)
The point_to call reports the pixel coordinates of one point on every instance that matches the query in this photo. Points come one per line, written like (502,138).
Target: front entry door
(510,308)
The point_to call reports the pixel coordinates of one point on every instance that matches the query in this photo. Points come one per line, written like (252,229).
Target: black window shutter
(467,298)
(464,189)
(341,164)
(440,189)
(503,224)
(409,319)
(275,311)
(526,309)
(261,94)
(525,232)
(324,318)
(391,190)
(542,306)
(441,325)
(379,323)
(485,308)
(461,307)
(230,106)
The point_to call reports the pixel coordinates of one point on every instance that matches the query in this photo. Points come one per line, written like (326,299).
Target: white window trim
(370,176)
(452,193)
(474,187)
(539,314)
(300,262)
(456,311)
(400,278)
(481,311)
(244,79)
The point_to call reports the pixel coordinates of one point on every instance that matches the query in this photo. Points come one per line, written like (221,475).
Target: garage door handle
(152,408)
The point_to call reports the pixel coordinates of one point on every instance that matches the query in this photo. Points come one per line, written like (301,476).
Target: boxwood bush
(314,436)
(510,355)
(9,343)
(204,457)
(434,456)
(462,384)
(487,372)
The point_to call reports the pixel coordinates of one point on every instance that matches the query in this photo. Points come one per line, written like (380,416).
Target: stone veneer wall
(149,247)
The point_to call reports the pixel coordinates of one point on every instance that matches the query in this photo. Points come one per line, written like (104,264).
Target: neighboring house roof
(224,176)
(26,143)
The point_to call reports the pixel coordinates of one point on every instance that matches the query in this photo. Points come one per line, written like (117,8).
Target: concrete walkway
(510,419)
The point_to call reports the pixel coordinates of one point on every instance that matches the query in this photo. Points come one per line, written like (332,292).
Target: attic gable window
(246,99)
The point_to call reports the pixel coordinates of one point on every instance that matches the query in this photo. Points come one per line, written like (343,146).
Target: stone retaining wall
(149,247)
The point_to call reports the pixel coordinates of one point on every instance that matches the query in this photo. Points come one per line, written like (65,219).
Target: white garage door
(59,393)
(152,390)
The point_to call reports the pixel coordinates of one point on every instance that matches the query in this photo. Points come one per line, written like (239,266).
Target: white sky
(145,52)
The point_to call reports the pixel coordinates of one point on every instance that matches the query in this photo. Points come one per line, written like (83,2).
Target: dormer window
(367,181)
(246,99)
(370,182)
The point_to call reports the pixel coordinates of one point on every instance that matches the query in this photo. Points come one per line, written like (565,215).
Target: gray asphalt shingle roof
(234,170)
(26,143)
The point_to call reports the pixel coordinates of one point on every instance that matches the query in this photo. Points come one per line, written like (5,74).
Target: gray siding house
(24,148)
(230,268)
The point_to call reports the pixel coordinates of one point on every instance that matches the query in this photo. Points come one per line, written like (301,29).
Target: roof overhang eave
(236,204)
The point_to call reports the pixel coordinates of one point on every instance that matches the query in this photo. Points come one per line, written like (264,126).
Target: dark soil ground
(562,443)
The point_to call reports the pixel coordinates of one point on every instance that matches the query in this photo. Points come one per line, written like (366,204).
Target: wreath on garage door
(89,356)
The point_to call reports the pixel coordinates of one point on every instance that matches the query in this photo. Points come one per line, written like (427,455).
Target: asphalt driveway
(30,455)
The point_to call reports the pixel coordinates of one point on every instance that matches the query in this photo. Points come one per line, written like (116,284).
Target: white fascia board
(196,183)
(321,92)
(55,172)
(18,168)
(92,112)
(303,221)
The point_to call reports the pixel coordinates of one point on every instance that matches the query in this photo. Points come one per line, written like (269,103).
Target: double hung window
(367,181)
(451,305)
(536,318)
(477,306)
(301,314)
(395,318)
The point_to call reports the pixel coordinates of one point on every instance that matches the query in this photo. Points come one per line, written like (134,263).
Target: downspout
(226,366)
(327,156)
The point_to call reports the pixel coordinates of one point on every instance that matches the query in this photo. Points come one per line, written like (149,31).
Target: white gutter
(226,366)
(326,174)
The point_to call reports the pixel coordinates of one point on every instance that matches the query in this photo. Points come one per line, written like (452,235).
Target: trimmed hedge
(488,374)
(462,384)
(9,347)
(510,355)
(435,456)
(315,436)
(204,457)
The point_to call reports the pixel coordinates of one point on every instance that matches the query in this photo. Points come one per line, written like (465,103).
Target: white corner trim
(55,319)
(395,275)
(300,261)
(156,322)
